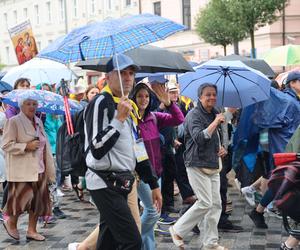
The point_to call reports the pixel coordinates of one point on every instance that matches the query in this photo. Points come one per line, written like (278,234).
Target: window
(186,13)
(5,19)
(93,7)
(7,54)
(61,10)
(75,8)
(25,13)
(48,6)
(128,2)
(109,4)
(50,41)
(15,17)
(157,8)
(36,14)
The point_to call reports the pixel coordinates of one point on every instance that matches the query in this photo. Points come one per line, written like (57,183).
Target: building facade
(53,18)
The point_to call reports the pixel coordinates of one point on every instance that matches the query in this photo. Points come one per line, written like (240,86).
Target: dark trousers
(167,178)
(118,230)
(181,175)
(224,184)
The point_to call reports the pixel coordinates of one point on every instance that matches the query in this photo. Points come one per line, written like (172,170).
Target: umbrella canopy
(283,56)
(238,85)
(114,36)
(48,102)
(257,64)
(151,59)
(39,70)
(281,78)
(2,73)
(4,86)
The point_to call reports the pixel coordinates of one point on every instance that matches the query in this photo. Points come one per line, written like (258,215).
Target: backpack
(70,153)
(285,184)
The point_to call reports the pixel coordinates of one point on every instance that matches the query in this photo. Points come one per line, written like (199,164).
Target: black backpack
(70,153)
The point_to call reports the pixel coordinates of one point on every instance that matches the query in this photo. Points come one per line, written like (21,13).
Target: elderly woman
(203,164)
(29,168)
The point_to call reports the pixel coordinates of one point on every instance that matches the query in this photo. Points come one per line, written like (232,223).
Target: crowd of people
(141,139)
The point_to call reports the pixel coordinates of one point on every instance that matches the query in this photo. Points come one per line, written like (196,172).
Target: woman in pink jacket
(149,126)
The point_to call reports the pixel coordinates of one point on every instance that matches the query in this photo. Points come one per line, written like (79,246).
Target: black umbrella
(257,64)
(151,59)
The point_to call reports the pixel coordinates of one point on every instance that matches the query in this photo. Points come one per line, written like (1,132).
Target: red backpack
(285,183)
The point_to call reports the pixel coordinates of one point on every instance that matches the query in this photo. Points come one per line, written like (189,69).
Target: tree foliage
(216,26)
(223,22)
(254,14)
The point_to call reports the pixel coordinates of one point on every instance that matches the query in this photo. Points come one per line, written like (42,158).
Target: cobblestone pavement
(83,217)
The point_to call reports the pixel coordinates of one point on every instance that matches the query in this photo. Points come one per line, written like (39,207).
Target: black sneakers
(58,213)
(258,219)
(228,226)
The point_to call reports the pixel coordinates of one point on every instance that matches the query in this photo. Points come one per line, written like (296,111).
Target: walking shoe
(160,231)
(58,213)
(258,219)
(47,219)
(283,246)
(165,219)
(59,192)
(228,226)
(3,216)
(248,193)
(73,246)
(274,213)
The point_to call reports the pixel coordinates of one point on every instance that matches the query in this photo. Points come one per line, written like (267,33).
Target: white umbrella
(40,70)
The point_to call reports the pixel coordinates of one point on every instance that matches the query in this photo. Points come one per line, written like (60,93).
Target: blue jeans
(149,217)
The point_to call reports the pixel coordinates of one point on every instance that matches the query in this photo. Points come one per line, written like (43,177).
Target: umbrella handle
(68,117)
(119,74)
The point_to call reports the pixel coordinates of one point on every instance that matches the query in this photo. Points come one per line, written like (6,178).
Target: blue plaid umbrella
(104,39)
(48,102)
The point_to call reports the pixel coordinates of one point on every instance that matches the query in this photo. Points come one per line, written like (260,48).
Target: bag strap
(110,114)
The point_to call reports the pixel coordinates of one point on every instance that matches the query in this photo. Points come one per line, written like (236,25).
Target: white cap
(172,85)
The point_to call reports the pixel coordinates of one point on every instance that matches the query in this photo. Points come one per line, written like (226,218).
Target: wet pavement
(82,218)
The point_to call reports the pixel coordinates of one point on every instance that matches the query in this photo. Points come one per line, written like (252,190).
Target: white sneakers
(217,247)
(248,193)
(73,246)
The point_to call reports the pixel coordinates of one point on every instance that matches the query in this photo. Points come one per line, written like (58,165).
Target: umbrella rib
(250,81)
(236,90)
(199,79)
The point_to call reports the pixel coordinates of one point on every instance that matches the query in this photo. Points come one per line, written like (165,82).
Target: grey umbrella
(151,59)
(257,64)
